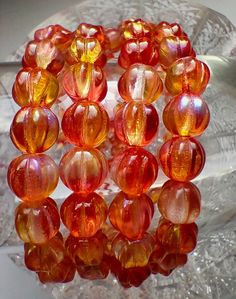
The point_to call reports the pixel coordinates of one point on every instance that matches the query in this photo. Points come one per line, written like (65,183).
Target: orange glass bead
(140,83)
(34,129)
(83,170)
(187,75)
(131,215)
(136,28)
(84,214)
(179,202)
(85,81)
(172,48)
(182,158)
(89,251)
(29,55)
(85,124)
(37,222)
(139,50)
(164,29)
(134,170)
(93,272)
(85,49)
(114,39)
(35,87)
(136,123)
(133,253)
(32,176)
(186,115)
(177,238)
(92,31)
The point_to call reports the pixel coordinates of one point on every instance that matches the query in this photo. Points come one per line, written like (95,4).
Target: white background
(17,18)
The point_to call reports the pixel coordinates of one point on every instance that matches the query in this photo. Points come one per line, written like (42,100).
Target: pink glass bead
(83,169)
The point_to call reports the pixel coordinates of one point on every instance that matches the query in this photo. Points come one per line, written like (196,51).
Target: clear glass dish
(210,271)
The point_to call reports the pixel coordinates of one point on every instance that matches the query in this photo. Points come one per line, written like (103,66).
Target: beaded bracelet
(59,62)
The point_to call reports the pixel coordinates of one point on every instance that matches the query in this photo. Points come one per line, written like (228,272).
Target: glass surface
(210,271)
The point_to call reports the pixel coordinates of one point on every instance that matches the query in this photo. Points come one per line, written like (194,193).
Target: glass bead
(37,222)
(177,238)
(134,170)
(84,214)
(182,158)
(139,50)
(136,28)
(172,48)
(187,75)
(93,272)
(133,253)
(35,87)
(114,39)
(85,124)
(85,81)
(186,115)
(140,82)
(136,123)
(28,60)
(34,129)
(131,215)
(85,49)
(164,29)
(179,202)
(32,176)
(83,170)
(92,31)
(88,251)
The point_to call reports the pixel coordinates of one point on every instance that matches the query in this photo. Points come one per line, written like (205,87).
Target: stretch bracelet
(58,64)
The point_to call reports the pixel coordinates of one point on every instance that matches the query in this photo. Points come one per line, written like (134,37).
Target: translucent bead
(133,253)
(136,123)
(92,31)
(177,238)
(136,28)
(131,215)
(83,170)
(43,54)
(113,38)
(140,82)
(84,214)
(34,129)
(179,202)
(172,48)
(93,272)
(50,261)
(139,50)
(164,29)
(35,87)
(37,222)
(85,124)
(88,251)
(32,176)
(186,115)
(85,49)
(85,81)
(182,158)
(187,75)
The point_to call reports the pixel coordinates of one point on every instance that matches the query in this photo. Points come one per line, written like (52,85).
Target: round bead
(35,87)
(138,50)
(140,82)
(83,170)
(136,123)
(85,49)
(133,253)
(131,215)
(179,202)
(34,129)
(84,214)
(137,28)
(37,222)
(182,158)
(32,176)
(85,124)
(164,29)
(172,48)
(177,238)
(134,170)
(85,81)
(186,115)
(187,75)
